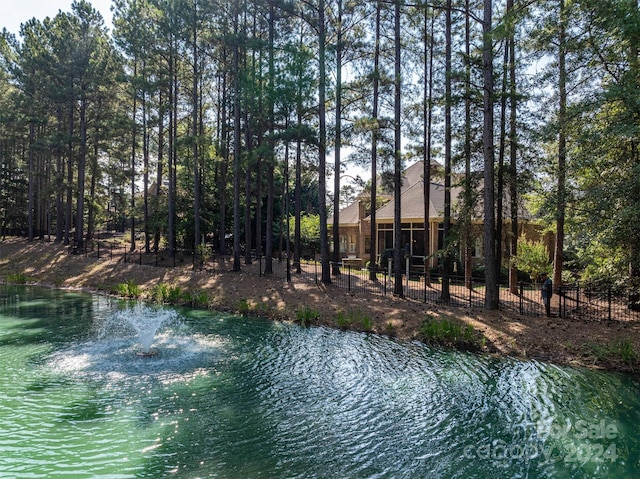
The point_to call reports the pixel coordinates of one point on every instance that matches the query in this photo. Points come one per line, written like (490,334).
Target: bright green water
(228,397)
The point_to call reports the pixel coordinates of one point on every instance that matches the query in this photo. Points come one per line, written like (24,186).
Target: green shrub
(174,295)
(201,298)
(306,315)
(449,332)
(626,351)
(367,323)
(389,328)
(17,278)
(243,307)
(342,320)
(164,293)
(160,293)
(129,289)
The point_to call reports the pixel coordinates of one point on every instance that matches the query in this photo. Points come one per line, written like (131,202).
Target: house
(355,221)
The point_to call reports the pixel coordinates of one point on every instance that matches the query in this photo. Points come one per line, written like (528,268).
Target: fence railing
(588,301)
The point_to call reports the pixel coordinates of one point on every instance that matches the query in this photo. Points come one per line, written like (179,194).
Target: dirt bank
(607,345)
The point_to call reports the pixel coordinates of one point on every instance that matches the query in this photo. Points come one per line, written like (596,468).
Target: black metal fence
(588,301)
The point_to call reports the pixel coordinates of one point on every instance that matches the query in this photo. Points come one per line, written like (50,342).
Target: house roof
(412,202)
(349,215)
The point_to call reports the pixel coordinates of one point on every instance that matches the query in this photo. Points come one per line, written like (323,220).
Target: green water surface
(230,397)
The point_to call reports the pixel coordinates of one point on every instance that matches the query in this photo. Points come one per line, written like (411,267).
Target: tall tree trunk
(259,251)
(69,206)
(161,150)
(268,264)
(173,100)
(446,258)
(134,141)
(247,216)
(145,180)
(195,97)
(91,219)
(491,274)
(236,147)
(322,146)
(502,146)
(338,146)
(59,183)
(298,170)
(224,164)
(397,173)
(286,214)
(375,133)
(427,118)
(31,187)
(558,257)
(82,161)
(468,185)
(513,151)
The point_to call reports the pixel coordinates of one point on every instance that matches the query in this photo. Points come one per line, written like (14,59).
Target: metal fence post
(384,290)
(407,266)
(424,286)
(349,277)
(521,305)
(609,300)
(288,270)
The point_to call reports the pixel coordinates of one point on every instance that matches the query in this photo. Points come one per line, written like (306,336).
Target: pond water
(229,397)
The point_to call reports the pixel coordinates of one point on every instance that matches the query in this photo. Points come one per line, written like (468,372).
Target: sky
(15,12)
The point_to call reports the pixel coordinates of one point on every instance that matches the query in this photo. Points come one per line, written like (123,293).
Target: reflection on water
(232,397)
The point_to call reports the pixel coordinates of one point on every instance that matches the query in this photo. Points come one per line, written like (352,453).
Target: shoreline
(611,345)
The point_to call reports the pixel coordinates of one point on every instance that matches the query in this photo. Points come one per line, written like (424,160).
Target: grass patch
(621,350)
(347,320)
(17,278)
(451,333)
(342,320)
(243,307)
(306,315)
(164,293)
(129,289)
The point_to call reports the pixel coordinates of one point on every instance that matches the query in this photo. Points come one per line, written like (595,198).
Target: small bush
(174,295)
(367,323)
(129,289)
(342,320)
(306,315)
(160,293)
(389,328)
(626,351)
(449,332)
(164,293)
(621,350)
(243,307)
(201,298)
(17,278)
